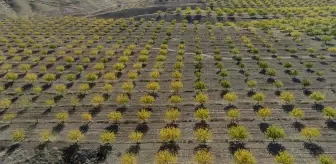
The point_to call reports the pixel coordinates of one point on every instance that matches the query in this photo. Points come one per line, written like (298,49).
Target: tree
(225,84)
(135,136)
(127,87)
(62,116)
(97,100)
(144,115)
(203,156)
(310,133)
(275,132)
(122,99)
(329,112)
(251,84)
(264,113)
(287,97)
(317,96)
(203,114)
(8,117)
(175,99)
(147,99)
(172,114)
(278,84)
(326,159)
(284,157)
(87,117)
(165,157)
(60,88)
(297,113)
(176,86)
(258,97)
(203,134)
(238,133)
(115,116)
(18,135)
(230,97)
(153,86)
(170,134)
(243,156)
(200,85)
(107,137)
(201,98)
(233,114)
(128,158)
(75,135)
(305,83)
(45,135)
(31,77)
(11,76)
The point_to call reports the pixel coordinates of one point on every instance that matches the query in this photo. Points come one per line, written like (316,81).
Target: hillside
(14,8)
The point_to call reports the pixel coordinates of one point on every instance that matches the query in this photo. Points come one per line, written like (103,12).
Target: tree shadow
(250,93)
(5,127)
(84,128)
(170,146)
(103,151)
(113,128)
(224,92)
(143,128)
(72,110)
(230,106)
(331,124)
(231,124)
(106,96)
(313,148)
(134,149)
(69,85)
(12,148)
(296,80)
(13,100)
(263,126)
(58,128)
(234,146)
(95,111)
(277,93)
(8,84)
(310,70)
(270,80)
(288,107)
(121,110)
(47,111)
(321,79)
(257,107)
(42,145)
(307,92)
(298,126)
(27,87)
(45,86)
(21,112)
(171,125)
(70,153)
(275,148)
(318,107)
(202,147)
(58,98)
(32,126)
(35,98)
(201,124)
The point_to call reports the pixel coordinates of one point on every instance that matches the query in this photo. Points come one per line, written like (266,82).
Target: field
(89,90)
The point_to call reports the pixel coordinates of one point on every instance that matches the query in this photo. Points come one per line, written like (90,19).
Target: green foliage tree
(284,157)
(275,132)
(243,156)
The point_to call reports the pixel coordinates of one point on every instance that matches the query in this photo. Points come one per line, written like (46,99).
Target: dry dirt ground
(89,151)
